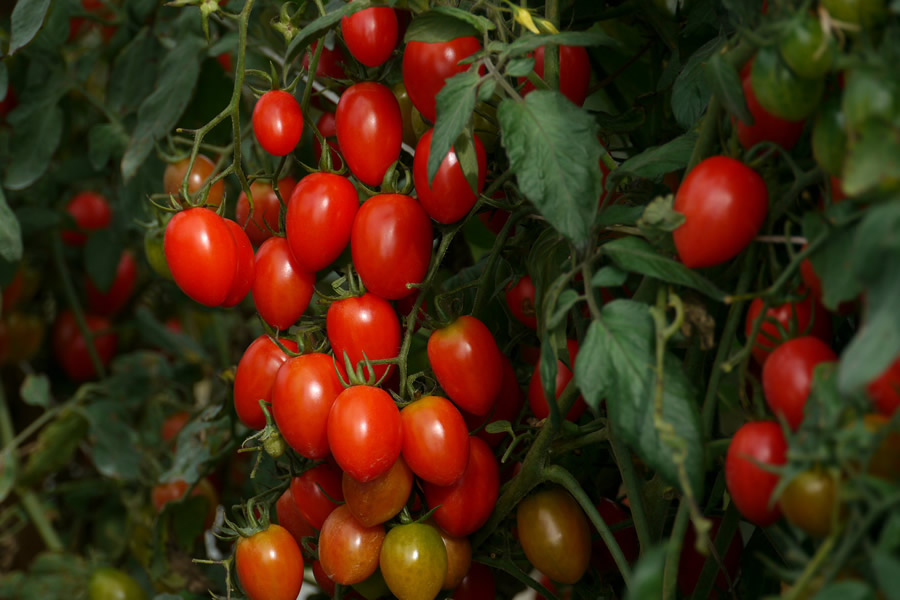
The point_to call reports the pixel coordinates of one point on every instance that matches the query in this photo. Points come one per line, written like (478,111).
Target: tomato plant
(245,268)
(810,502)
(200,174)
(269,565)
(507,405)
(520,300)
(277,122)
(282,289)
(750,486)
(691,563)
(290,518)
(328,128)
(537,400)
(426,66)
(448,197)
(113,299)
(885,390)
(555,534)
(574,72)
(379,499)
(765,127)
(71,347)
(315,492)
(791,318)
(364,327)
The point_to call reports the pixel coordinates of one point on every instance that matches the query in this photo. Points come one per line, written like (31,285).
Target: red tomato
(9,102)
(466,505)
(435,440)
(427,65)
(364,432)
(312,489)
(371,34)
(467,364)
(766,126)
(201,254)
(494,219)
(885,390)
(507,406)
(349,551)
(290,518)
(369,130)
(173,425)
(331,62)
(391,244)
(70,347)
(173,491)
(520,300)
(255,376)
(459,557)
(379,500)
(750,486)
(478,584)
(305,387)
(796,318)
(91,212)
(837,189)
(266,208)
(536,399)
(245,269)
(277,122)
(555,534)
(691,563)
(203,169)
(724,203)
(574,72)
(327,126)
(787,376)
(363,325)
(115,298)
(81,25)
(281,289)
(449,197)
(319,218)
(626,537)
(269,565)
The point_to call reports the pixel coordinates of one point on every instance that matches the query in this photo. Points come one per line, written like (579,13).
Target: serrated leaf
(637,256)
(101,257)
(27,18)
(35,141)
(133,73)
(520,67)
(486,90)
(608,276)
(553,149)
(691,90)
(435,26)
(35,390)
(104,141)
(725,82)
(10,232)
(528,43)
(655,162)
(322,24)
(454,104)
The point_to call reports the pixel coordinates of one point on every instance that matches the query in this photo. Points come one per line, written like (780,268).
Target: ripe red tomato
(691,563)
(520,300)
(371,34)
(369,130)
(787,376)
(203,169)
(724,203)
(796,318)
(277,122)
(766,126)
(435,440)
(319,218)
(91,212)
(331,61)
(312,489)
(173,491)
(750,486)
(507,406)
(413,561)
(537,402)
(245,269)
(478,584)
(555,534)
(464,506)
(467,364)
(305,387)
(201,254)
(885,390)
(391,244)
(266,208)
(269,565)
(426,66)
(364,325)
(449,197)
(574,73)
(379,500)
(327,126)
(809,502)
(364,432)
(70,347)
(349,551)
(626,537)
(115,298)
(255,376)
(290,518)
(281,289)
(173,425)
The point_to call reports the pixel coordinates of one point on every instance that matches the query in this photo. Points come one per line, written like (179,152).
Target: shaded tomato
(376,501)
(173,424)
(364,431)
(245,269)
(435,440)
(787,376)
(154,251)
(749,485)
(466,505)
(459,557)
(277,122)
(114,299)
(269,565)
(555,534)
(203,169)
(172,491)
(363,325)
(319,219)
(313,492)
(281,289)
(807,49)
(266,208)
(690,565)
(626,537)
(70,347)
(537,401)
(724,203)
(413,561)
(91,212)
(21,336)
(107,583)
(574,73)
(290,518)
(494,219)
(467,364)
(766,127)
(405,306)
(448,198)
(348,551)
(305,387)
(885,460)
(780,91)
(426,66)
(201,254)
(327,126)
(520,300)
(814,284)
(331,61)
(371,34)
(391,243)
(805,317)
(478,584)
(885,389)
(507,406)
(8,103)
(810,502)
(255,377)
(369,130)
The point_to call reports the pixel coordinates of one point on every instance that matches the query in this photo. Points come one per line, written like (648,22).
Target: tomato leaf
(101,257)
(27,19)
(618,214)
(635,255)
(196,443)
(35,390)
(655,162)
(454,104)
(104,141)
(872,159)
(608,276)
(520,67)
(35,140)
(322,24)
(554,151)
(437,26)
(8,471)
(467,156)
(55,447)
(10,232)
(690,92)
(726,85)
(846,590)
(566,301)
(647,578)
(832,262)
(529,43)
(133,73)
(548,369)
(887,574)
(481,24)
(114,451)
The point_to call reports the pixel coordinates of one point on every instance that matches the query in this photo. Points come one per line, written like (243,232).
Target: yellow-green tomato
(107,583)
(414,561)
(555,534)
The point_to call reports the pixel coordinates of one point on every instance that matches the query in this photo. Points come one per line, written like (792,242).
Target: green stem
(633,488)
(588,439)
(707,135)
(551,51)
(311,77)
(711,567)
(486,280)
(673,549)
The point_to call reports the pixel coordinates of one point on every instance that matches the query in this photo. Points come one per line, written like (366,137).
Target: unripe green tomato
(868,96)
(107,583)
(414,561)
(274,445)
(829,137)
(865,13)
(808,50)
(156,256)
(780,91)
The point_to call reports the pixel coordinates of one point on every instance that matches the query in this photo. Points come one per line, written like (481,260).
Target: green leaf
(846,590)
(55,447)
(608,276)
(691,91)
(887,574)
(454,103)
(466,154)
(499,427)
(520,67)
(133,73)
(528,43)
(548,369)
(35,141)
(618,214)
(157,335)
(626,122)
(889,538)
(832,265)
(564,303)
(35,390)
(435,26)
(635,255)
(322,24)
(104,141)
(192,453)
(726,85)
(4,81)
(10,232)
(27,19)
(647,578)
(655,162)
(37,218)
(553,149)
(872,159)
(114,450)
(101,257)
(481,24)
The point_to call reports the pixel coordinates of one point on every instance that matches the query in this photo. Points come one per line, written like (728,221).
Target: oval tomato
(281,289)
(478,584)
(173,425)
(255,377)
(555,534)
(391,243)
(331,61)
(413,561)
(807,49)
(426,66)
(266,208)
(328,128)
(379,500)
(369,130)
(245,269)
(690,565)
(810,502)
(448,198)
(70,347)
(348,551)
(277,122)
(364,325)
(305,387)
(459,557)
(766,127)
(91,212)
(724,203)
(290,518)
(780,91)
(805,317)
(319,219)
(787,376)
(371,34)
(107,583)
(435,440)
(507,406)
(201,254)
(537,402)
(364,432)
(203,169)
(520,300)
(269,565)
(313,492)
(574,73)
(885,390)
(750,486)
(114,299)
